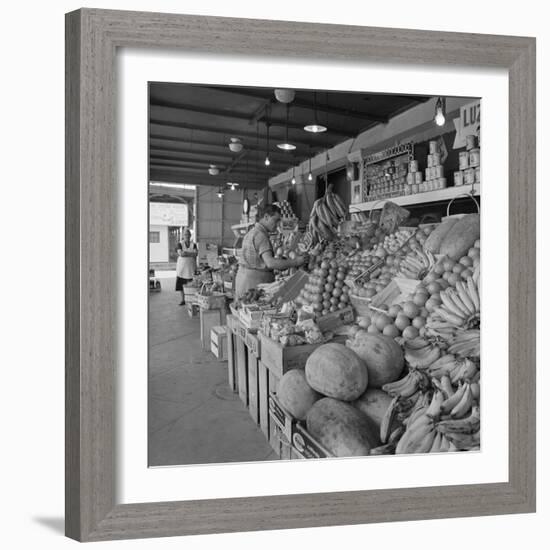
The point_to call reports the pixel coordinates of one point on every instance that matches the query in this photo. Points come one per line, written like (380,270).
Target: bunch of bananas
(458,313)
(456,370)
(416,264)
(435,406)
(326,214)
(420,353)
(466,344)
(447,423)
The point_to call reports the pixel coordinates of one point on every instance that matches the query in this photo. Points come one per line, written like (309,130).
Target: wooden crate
(253,344)
(231,362)
(336,319)
(192,310)
(209,318)
(279,359)
(241,359)
(218,342)
(306,446)
(253,388)
(263,398)
(211,301)
(274,432)
(281,417)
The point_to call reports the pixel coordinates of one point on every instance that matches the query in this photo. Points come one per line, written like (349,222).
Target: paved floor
(194,418)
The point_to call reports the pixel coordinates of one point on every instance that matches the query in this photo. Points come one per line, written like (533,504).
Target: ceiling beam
(311,147)
(193,168)
(310,105)
(212,155)
(242,116)
(172,175)
(232,133)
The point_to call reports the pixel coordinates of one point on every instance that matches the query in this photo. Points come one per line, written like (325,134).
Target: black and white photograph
(314,274)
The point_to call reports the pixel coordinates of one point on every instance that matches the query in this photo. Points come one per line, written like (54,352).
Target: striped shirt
(255,243)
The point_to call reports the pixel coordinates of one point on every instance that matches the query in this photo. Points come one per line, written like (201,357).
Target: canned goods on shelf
(464,160)
(474,158)
(434,148)
(477,174)
(413,166)
(438,171)
(436,159)
(469,176)
(458,178)
(430,161)
(417,177)
(470,142)
(414,187)
(441,183)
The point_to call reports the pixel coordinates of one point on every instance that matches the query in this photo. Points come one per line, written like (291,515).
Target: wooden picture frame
(92,39)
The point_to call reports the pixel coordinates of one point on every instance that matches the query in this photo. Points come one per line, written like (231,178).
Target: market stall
(373,347)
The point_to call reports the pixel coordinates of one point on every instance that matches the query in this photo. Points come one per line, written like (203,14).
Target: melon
(336,371)
(433,242)
(461,237)
(295,394)
(373,404)
(382,355)
(340,428)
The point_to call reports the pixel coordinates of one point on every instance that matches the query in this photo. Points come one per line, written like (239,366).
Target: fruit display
(434,240)
(336,371)
(382,356)
(295,394)
(326,215)
(460,237)
(341,428)
(407,379)
(326,290)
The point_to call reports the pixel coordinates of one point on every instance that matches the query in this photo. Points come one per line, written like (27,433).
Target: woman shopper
(186,264)
(257,261)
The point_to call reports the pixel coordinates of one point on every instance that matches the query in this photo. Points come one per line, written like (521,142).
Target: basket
(449,215)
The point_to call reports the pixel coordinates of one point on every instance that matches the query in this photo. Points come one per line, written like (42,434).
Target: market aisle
(194,418)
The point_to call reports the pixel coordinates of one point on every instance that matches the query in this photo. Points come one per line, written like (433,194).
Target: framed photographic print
(280,239)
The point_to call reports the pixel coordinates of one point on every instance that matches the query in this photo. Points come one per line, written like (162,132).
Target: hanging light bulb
(293,180)
(439,117)
(267,162)
(220,193)
(284,95)
(315,127)
(235,145)
(310,175)
(286,146)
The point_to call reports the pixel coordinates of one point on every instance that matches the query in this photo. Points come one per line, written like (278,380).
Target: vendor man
(186,264)
(257,262)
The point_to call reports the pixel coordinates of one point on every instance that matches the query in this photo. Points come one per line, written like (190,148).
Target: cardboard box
(305,445)
(218,342)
